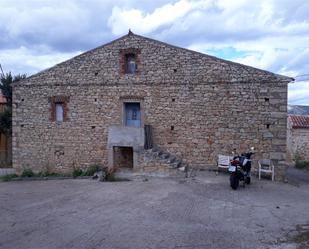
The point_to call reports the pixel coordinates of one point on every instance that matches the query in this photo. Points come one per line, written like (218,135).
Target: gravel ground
(158,213)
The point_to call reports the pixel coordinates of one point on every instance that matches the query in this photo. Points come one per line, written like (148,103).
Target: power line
(301,75)
(302,80)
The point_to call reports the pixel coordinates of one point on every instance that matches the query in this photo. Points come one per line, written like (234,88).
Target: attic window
(59,112)
(130,63)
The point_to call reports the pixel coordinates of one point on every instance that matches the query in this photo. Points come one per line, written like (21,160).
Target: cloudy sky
(268,34)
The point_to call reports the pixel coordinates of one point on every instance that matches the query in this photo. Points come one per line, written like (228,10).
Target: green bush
(42,174)
(77,172)
(27,173)
(7,178)
(302,164)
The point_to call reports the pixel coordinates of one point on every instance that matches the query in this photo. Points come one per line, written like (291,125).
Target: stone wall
(198,105)
(298,143)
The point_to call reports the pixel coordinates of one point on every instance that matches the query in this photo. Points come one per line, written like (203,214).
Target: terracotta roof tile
(299,121)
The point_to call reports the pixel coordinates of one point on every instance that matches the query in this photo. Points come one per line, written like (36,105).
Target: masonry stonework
(213,105)
(298,138)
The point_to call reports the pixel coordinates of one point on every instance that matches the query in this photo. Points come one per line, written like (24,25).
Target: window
(59,108)
(59,111)
(129,61)
(130,64)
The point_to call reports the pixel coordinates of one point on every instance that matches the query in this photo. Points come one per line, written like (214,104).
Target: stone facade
(298,137)
(197,105)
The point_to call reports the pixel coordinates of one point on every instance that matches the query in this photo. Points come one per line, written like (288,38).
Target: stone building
(110,105)
(298,137)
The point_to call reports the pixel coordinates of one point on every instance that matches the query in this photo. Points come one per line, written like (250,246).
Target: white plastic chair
(223,161)
(266,166)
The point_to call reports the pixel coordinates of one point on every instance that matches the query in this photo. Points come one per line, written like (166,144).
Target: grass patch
(27,173)
(77,172)
(7,178)
(302,238)
(302,164)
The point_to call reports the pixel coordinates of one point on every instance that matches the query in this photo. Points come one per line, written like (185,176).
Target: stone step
(175,165)
(171,161)
(165,155)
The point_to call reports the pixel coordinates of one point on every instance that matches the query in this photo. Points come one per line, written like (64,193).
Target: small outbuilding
(298,137)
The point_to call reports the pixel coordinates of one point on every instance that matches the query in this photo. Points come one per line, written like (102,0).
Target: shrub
(302,164)
(27,173)
(77,172)
(7,178)
(42,174)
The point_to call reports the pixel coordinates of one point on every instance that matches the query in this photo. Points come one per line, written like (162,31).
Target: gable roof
(299,121)
(234,65)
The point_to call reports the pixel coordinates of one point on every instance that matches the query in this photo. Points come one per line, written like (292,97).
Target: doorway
(132,114)
(123,157)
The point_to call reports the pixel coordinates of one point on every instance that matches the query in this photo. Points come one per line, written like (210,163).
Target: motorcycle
(240,169)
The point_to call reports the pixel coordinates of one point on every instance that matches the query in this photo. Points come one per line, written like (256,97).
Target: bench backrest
(224,160)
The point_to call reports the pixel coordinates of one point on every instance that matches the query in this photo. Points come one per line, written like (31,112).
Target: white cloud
(122,19)
(23,60)
(269,34)
(299,93)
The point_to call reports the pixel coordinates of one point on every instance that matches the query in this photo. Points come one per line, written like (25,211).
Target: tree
(6,81)
(6,121)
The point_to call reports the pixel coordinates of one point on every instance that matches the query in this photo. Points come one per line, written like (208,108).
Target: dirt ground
(158,213)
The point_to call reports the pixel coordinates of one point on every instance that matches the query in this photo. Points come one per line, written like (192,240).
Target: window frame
(137,117)
(63,101)
(123,55)
(131,99)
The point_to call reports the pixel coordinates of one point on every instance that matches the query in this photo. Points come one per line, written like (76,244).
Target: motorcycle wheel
(234,181)
(248,180)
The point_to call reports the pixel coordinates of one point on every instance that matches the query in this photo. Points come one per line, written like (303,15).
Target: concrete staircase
(173,164)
